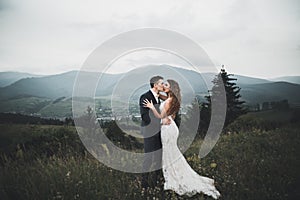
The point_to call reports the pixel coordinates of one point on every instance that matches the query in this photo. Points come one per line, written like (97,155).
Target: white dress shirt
(155,95)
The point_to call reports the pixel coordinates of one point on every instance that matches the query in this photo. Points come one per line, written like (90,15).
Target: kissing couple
(160,133)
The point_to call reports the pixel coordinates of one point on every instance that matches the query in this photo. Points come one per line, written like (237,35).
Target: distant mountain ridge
(290,79)
(246,80)
(55,86)
(39,91)
(51,86)
(274,91)
(9,77)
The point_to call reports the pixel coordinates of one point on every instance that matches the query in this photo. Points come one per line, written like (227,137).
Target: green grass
(59,109)
(251,165)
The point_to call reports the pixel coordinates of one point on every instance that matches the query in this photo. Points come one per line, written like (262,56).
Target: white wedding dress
(178,174)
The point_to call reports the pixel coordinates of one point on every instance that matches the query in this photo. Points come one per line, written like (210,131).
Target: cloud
(4,5)
(249,37)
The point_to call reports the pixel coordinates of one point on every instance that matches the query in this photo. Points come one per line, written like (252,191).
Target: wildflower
(68,174)
(19,153)
(213,165)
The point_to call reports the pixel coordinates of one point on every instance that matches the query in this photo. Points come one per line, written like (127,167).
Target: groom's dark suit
(152,141)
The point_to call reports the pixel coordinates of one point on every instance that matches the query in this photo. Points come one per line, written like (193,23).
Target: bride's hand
(166,121)
(148,104)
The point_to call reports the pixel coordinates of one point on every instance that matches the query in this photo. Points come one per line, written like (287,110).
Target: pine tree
(234,104)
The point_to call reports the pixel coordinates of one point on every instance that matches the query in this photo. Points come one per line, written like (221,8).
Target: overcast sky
(256,38)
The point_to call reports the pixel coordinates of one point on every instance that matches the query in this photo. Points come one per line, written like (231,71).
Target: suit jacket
(150,124)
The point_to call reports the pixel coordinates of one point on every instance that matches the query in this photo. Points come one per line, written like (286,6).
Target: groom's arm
(144,111)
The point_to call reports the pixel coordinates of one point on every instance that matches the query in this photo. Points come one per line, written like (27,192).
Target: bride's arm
(163,113)
(163,97)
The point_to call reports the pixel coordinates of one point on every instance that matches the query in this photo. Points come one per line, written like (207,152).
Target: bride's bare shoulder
(168,102)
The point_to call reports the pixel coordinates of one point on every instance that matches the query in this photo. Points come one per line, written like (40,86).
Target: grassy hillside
(271,115)
(49,162)
(57,109)
(24,104)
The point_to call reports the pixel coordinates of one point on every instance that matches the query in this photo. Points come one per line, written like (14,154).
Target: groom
(151,132)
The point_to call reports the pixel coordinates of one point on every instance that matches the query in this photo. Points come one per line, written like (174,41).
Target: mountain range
(9,77)
(51,94)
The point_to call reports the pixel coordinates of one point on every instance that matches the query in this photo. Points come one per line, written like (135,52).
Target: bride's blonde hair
(176,97)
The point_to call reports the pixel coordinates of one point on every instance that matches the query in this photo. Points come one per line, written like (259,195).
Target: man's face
(159,85)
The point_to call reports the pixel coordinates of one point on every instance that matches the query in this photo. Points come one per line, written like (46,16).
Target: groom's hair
(154,79)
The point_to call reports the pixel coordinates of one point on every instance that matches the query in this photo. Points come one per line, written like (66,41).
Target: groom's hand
(166,121)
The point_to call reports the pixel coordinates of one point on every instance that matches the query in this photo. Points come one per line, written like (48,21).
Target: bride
(178,174)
